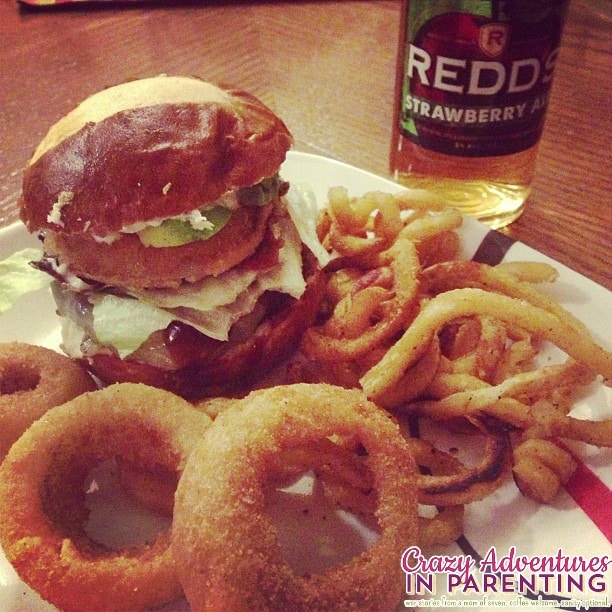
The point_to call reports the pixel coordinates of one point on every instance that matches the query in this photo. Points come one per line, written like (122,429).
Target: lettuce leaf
(303,210)
(211,306)
(18,277)
(125,323)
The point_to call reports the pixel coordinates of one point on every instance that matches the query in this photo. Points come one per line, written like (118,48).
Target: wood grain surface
(328,69)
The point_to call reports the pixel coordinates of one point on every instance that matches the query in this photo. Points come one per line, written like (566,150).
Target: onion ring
(42,514)
(32,380)
(154,488)
(345,479)
(226,546)
(447,524)
(340,470)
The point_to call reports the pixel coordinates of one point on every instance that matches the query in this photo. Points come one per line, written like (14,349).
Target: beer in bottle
(474,79)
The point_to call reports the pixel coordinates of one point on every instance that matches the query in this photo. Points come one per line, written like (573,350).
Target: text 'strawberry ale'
(474,80)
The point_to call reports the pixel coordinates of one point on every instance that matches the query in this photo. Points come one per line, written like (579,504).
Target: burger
(180,257)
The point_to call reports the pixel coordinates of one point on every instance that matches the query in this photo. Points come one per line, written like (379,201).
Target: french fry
(427,334)
(460,274)
(414,382)
(403,261)
(456,303)
(447,486)
(540,468)
(550,422)
(424,228)
(529,271)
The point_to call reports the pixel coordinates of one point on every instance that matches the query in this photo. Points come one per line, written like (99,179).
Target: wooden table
(327,68)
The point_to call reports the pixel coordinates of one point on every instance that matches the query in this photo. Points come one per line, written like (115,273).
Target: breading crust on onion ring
(32,380)
(42,527)
(226,545)
(345,479)
(445,481)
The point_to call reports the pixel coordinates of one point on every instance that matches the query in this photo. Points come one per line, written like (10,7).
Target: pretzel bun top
(149,149)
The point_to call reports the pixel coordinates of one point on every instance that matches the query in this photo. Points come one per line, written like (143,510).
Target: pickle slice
(177,232)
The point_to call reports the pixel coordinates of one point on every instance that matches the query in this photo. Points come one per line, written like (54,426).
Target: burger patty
(186,362)
(126,262)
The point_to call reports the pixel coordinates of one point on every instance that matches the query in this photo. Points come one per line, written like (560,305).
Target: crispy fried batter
(224,540)
(128,263)
(32,380)
(41,510)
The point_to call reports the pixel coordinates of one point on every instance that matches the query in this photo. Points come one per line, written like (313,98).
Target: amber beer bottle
(473,85)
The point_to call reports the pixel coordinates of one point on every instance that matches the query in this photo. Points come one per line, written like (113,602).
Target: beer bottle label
(477,74)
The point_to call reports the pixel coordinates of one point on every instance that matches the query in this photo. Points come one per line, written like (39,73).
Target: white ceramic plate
(505,519)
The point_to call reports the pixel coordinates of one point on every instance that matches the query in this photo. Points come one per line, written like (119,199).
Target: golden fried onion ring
(42,519)
(346,480)
(225,543)
(32,380)
(447,524)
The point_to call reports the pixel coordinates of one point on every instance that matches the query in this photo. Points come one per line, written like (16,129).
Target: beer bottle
(473,84)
